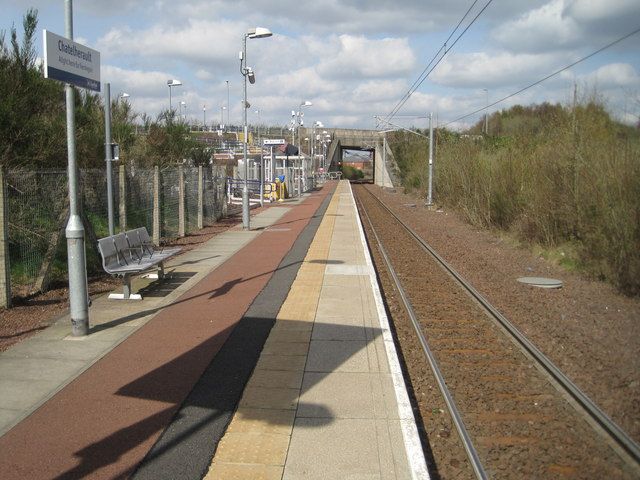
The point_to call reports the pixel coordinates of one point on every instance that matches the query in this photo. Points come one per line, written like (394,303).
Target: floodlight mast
(258,32)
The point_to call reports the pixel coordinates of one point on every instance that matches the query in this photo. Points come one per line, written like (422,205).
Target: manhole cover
(541,282)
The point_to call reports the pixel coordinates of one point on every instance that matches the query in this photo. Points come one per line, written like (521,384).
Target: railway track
(515,414)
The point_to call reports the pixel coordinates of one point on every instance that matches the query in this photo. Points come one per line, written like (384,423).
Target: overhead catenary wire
(444,46)
(609,45)
(445,49)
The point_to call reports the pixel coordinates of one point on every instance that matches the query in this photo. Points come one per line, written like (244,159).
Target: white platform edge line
(413,446)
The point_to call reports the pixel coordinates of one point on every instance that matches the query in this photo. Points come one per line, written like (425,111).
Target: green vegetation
(563,178)
(33,118)
(351,173)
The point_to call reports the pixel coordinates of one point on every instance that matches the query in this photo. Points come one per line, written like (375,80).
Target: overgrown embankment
(551,175)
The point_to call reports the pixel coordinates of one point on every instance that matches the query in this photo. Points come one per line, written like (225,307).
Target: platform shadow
(195,422)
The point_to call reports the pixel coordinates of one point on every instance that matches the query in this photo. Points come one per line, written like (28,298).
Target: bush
(352,173)
(549,174)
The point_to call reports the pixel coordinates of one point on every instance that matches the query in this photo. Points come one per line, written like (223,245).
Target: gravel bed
(571,325)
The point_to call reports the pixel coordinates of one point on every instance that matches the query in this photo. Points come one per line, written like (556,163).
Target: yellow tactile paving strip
(255,445)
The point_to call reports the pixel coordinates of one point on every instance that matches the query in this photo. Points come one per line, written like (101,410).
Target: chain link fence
(37,211)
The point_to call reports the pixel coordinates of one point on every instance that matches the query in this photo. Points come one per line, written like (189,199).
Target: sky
(354,59)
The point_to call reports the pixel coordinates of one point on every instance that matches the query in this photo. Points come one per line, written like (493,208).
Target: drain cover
(541,282)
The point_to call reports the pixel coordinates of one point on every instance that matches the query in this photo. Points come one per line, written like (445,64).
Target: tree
(31,127)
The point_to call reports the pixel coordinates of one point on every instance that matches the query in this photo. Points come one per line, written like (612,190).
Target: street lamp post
(74,231)
(247,72)
(314,139)
(227,102)
(172,83)
(204,117)
(299,123)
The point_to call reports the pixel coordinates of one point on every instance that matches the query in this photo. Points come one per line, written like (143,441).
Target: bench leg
(159,275)
(126,291)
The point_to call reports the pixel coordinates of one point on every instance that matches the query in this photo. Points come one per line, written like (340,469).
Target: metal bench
(140,241)
(126,255)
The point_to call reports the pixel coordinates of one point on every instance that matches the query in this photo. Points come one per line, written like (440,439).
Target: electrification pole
(430,192)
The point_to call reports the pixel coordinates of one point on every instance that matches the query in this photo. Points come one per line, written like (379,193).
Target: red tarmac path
(104,422)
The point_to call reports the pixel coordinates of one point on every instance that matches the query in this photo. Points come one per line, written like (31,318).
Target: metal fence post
(123,198)
(5,273)
(200,198)
(156,205)
(181,219)
(222,180)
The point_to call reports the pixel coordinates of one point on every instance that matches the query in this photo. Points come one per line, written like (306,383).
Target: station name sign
(71,62)
(269,141)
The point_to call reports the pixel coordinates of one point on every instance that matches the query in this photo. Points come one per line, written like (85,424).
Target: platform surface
(267,355)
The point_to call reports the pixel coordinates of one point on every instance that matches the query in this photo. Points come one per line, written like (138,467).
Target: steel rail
(469,448)
(619,436)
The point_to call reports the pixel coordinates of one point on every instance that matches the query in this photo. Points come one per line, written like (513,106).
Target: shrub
(549,174)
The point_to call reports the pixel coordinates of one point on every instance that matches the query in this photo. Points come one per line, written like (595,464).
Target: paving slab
(337,356)
(336,450)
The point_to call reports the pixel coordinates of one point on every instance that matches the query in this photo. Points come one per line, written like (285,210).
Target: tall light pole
(314,138)
(247,72)
(74,231)
(299,123)
(326,139)
(172,83)
(227,102)
(204,116)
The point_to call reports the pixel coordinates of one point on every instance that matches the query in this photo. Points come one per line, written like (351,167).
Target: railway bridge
(384,171)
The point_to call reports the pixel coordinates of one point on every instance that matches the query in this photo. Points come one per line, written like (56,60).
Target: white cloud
(374,90)
(613,75)
(483,70)
(565,24)
(359,57)
(136,82)
(538,30)
(198,42)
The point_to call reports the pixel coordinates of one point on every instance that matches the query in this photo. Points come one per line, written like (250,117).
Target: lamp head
(259,32)
(174,82)
(306,103)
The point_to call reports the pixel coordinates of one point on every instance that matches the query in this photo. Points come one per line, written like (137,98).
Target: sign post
(73,64)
